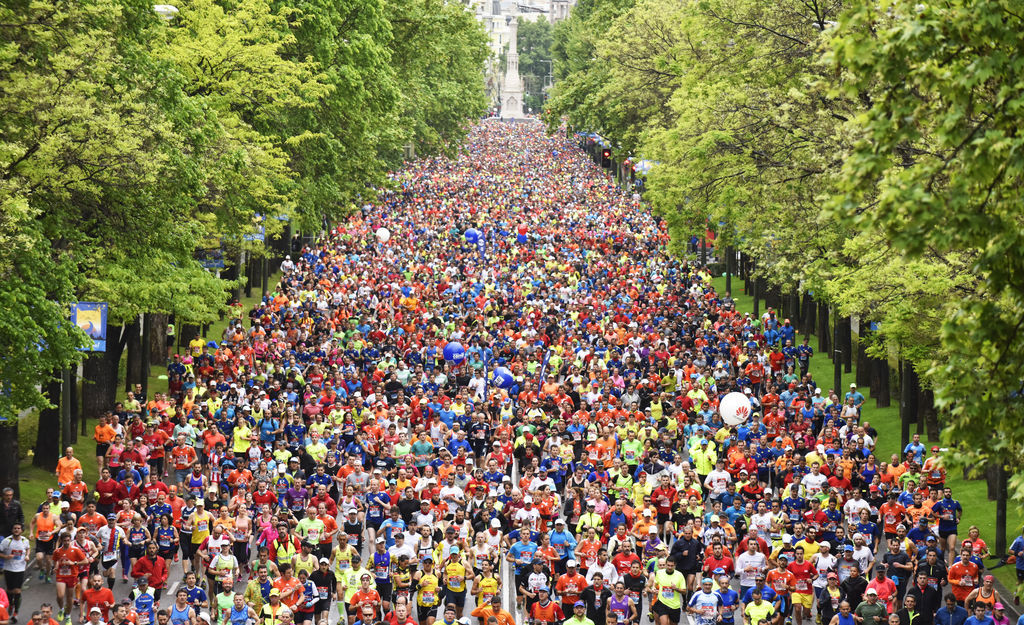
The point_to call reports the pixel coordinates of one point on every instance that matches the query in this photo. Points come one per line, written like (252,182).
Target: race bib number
(668,594)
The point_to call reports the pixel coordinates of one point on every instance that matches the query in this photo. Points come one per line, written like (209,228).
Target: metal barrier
(508,576)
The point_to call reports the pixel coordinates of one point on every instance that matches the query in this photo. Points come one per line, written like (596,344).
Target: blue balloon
(502,377)
(521,238)
(473,235)
(454,352)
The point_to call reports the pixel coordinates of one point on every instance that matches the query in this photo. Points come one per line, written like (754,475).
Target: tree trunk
(9,455)
(74,409)
(909,385)
(730,262)
(133,367)
(793,310)
(99,374)
(809,314)
(1001,511)
(757,297)
(824,335)
(250,275)
(837,358)
(880,382)
(158,339)
(863,362)
(47,438)
(773,298)
(147,327)
(928,423)
(187,332)
(846,336)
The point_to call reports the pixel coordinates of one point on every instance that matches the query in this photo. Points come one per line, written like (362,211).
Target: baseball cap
(380,540)
(870,591)
(205,616)
(935,448)
(495,523)
(571,563)
(95,609)
(825,543)
(453,551)
(543,589)
(848,548)
(652,530)
(579,604)
(707,580)
(275,591)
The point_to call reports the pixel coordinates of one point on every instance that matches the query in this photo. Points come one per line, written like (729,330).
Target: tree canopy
(129,143)
(866,151)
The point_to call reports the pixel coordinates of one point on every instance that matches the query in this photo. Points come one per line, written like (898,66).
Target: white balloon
(734,408)
(383,234)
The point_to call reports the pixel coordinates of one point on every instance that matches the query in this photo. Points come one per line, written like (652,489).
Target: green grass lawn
(35,481)
(972,494)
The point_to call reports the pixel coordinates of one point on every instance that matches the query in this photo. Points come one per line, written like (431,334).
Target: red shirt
(663,499)
(101,598)
(63,559)
(107,490)
(802,574)
(370,597)
(725,562)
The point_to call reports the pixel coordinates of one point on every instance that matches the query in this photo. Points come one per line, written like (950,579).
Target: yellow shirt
(455,576)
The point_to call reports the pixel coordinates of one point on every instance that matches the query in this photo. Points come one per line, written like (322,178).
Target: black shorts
(14,579)
(101,449)
(458,598)
(943,534)
(136,551)
(44,546)
(664,517)
(109,564)
(323,605)
(185,544)
(661,609)
(384,590)
(1020,575)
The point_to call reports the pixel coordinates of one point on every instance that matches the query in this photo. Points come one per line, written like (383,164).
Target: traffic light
(606,158)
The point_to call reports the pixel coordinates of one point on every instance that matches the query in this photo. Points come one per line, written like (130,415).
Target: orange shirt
(780,581)
(66,469)
(892,515)
(103,434)
(44,527)
(63,559)
(962,579)
(284,586)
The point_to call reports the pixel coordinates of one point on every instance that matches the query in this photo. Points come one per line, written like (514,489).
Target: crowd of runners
(335,455)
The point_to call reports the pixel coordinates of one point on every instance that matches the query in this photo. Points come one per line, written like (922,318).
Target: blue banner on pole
(91,317)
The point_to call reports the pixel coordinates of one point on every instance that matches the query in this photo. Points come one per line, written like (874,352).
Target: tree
(438,53)
(534,47)
(937,169)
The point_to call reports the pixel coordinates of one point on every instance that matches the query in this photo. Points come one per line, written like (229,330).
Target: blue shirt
(957,617)
(730,598)
(1017,549)
(522,553)
(946,510)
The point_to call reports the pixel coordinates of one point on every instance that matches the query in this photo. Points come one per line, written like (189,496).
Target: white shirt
(755,562)
(19,549)
(611,575)
(813,484)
